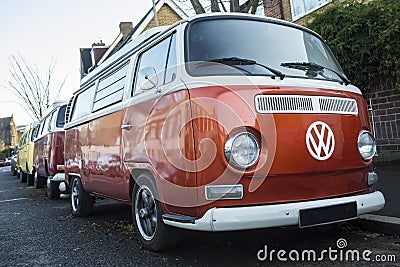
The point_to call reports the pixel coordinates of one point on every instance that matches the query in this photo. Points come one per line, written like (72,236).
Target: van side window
(47,125)
(159,57)
(170,72)
(110,89)
(82,106)
(34,133)
(61,117)
(40,127)
(22,141)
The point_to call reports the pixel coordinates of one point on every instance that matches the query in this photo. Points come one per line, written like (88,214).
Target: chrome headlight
(242,150)
(366,145)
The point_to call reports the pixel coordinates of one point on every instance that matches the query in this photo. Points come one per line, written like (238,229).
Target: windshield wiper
(311,69)
(234,61)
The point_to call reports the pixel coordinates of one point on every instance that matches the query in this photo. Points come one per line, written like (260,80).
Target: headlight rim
(228,150)
(374,144)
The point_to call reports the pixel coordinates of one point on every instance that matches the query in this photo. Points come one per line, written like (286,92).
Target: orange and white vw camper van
(219,123)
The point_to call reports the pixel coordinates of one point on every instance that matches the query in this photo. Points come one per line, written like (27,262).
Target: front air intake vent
(305,104)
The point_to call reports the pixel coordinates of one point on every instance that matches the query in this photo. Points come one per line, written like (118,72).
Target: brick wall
(273,8)
(166,16)
(385,116)
(287,12)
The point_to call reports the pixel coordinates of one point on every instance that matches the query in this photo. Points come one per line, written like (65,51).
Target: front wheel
(81,202)
(147,217)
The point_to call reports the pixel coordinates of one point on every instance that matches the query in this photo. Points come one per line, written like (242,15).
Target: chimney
(97,52)
(91,56)
(86,61)
(125,28)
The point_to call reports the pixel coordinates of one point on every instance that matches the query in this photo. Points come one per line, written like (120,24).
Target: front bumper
(253,217)
(59,177)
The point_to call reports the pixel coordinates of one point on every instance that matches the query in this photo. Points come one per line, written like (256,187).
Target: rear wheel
(39,181)
(22,176)
(81,202)
(146,212)
(53,192)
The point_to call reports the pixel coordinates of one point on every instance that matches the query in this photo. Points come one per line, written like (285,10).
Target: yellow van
(25,155)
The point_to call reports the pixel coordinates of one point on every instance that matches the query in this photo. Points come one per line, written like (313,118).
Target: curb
(378,223)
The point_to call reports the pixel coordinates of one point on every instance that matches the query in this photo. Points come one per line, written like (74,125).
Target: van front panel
(287,171)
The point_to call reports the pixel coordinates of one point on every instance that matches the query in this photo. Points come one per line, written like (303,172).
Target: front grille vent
(305,104)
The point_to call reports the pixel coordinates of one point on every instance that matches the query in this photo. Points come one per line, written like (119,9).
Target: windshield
(210,42)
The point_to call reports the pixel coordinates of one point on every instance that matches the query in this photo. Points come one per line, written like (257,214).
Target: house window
(300,8)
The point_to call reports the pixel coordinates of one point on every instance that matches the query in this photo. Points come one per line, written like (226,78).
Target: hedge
(365,37)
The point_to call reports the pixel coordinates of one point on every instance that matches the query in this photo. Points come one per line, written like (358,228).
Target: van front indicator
(366,145)
(221,192)
(242,150)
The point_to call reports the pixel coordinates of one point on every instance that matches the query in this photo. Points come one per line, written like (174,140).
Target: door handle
(127,126)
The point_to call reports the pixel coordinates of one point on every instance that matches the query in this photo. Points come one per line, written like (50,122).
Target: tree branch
(198,8)
(215,6)
(29,87)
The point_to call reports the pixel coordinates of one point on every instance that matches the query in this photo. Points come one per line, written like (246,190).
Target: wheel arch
(135,175)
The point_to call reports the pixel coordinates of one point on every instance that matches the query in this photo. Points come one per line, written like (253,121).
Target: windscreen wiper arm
(314,66)
(232,61)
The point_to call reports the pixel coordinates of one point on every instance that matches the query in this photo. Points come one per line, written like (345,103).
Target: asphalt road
(389,185)
(35,231)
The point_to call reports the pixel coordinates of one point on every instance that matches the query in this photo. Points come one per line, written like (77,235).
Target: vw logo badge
(320,140)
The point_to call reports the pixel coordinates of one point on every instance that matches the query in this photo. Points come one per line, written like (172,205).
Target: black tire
(13,171)
(53,192)
(39,181)
(147,216)
(81,202)
(30,179)
(22,176)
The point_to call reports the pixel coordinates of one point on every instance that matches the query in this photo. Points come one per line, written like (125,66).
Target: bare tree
(198,7)
(202,6)
(32,89)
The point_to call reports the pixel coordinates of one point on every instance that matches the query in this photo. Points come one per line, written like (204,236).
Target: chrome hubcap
(146,213)
(75,195)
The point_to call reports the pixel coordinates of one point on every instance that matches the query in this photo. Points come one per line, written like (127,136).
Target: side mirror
(149,78)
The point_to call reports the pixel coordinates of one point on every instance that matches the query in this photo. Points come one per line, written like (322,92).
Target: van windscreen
(257,47)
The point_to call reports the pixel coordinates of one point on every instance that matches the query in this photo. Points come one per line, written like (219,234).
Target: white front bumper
(59,177)
(253,217)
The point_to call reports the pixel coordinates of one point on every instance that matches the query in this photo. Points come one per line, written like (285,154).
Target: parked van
(25,154)
(49,151)
(14,160)
(220,123)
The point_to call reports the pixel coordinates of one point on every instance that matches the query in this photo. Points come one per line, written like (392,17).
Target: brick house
(8,133)
(293,10)
(168,12)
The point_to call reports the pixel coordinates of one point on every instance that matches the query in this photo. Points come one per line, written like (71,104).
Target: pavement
(386,220)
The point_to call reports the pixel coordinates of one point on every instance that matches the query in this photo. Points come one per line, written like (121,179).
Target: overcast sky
(44,29)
